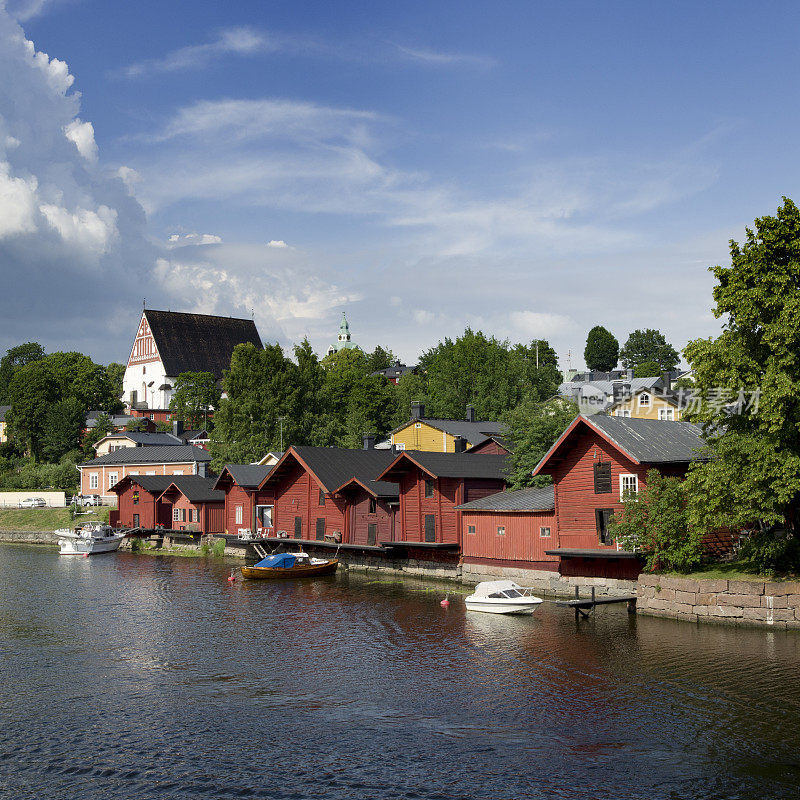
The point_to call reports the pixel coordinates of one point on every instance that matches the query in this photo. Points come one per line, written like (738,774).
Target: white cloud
(236,41)
(277,243)
(56,72)
(436,58)
(17,204)
(181,240)
(81,134)
(541,325)
(91,231)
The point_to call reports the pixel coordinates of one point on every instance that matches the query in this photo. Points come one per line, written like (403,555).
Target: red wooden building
(510,529)
(139,503)
(432,485)
(195,505)
(593,464)
(493,446)
(243,510)
(330,494)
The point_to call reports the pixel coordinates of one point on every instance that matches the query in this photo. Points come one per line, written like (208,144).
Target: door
(602,516)
(372,533)
(135,520)
(430,527)
(298,527)
(321,529)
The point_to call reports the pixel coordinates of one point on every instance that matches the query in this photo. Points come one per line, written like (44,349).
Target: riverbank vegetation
(47,519)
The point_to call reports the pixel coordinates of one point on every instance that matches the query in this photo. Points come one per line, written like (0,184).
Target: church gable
(144,348)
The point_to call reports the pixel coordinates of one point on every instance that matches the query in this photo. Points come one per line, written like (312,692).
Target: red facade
(140,508)
(490,447)
(203,517)
(509,538)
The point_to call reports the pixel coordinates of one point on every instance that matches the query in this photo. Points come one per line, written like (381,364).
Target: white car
(32,502)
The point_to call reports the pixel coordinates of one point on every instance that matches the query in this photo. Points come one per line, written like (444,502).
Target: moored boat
(502,597)
(290,565)
(88,538)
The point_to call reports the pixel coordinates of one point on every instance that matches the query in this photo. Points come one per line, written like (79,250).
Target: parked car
(87,500)
(32,502)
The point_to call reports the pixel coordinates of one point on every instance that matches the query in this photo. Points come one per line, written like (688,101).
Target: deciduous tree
(649,345)
(602,349)
(196,393)
(15,358)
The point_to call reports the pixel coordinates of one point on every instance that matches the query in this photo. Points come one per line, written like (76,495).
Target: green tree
(380,358)
(63,426)
(649,345)
(136,425)
(533,429)
(196,393)
(411,388)
(647,369)
(753,473)
(32,391)
(655,522)
(602,349)
(15,358)
(102,427)
(115,373)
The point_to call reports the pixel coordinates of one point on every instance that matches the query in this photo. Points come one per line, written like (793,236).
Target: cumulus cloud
(279,243)
(541,325)
(437,58)
(71,234)
(182,240)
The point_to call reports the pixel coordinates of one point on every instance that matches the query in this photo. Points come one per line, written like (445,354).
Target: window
(93,480)
(177,472)
(183,514)
(544,533)
(644,399)
(602,477)
(322,497)
(624,412)
(428,488)
(471,530)
(176,515)
(152,416)
(264,516)
(298,527)
(417,424)
(239,515)
(501,530)
(666,414)
(134,472)
(112,479)
(430,527)
(373,505)
(602,517)
(150,472)
(628,484)
(136,498)
(400,445)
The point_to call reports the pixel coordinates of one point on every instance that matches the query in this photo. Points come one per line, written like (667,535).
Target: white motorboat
(88,539)
(502,597)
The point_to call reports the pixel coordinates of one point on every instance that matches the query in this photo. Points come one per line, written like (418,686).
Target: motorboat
(502,597)
(290,565)
(88,539)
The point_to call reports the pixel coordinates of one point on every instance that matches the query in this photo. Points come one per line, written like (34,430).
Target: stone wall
(548,582)
(29,537)
(776,604)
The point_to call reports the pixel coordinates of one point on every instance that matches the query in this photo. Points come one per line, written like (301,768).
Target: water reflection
(178,684)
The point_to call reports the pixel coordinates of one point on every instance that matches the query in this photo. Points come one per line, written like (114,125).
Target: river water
(134,676)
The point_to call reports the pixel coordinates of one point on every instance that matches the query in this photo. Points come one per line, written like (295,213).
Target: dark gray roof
(335,466)
(473,432)
(3,411)
(198,342)
(248,476)
(460,465)
(144,439)
(155,484)
(198,489)
(503,441)
(171,454)
(187,436)
(653,441)
(539,498)
(396,370)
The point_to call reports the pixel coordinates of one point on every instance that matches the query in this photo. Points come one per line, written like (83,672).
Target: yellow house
(443,435)
(651,404)
(3,436)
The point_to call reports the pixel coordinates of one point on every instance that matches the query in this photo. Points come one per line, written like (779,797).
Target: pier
(585,606)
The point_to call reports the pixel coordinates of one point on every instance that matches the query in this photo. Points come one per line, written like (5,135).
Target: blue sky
(530,169)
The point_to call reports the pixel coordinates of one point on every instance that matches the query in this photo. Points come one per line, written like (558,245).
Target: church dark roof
(198,342)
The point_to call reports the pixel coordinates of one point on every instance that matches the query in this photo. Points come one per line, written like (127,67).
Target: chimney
(417,410)
(619,391)
(177,427)
(202,469)
(461,442)
(368,440)
(666,379)
(629,374)
(470,413)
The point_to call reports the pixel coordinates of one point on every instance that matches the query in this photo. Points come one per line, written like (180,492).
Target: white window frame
(501,530)
(666,414)
(472,530)
(239,514)
(271,515)
(400,445)
(542,533)
(624,412)
(94,480)
(628,483)
(112,479)
(176,514)
(644,400)
(417,424)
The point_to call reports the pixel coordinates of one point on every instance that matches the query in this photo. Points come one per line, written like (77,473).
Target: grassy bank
(46,519)
(733,571)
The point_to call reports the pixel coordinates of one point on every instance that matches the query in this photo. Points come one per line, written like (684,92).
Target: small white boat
(88,539)
(502,597)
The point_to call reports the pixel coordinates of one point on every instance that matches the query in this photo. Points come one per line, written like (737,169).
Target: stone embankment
(775,604)
(29,537)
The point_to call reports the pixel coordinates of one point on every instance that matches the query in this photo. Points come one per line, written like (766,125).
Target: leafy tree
(63,425)
(115,373)
(754,470)
(655,522)
(411,388)
(380,358)
(196,393)
(15,358)
(602,349)
(102,427)
(647,369)
(649,345)
(533,428)
(32,391)
(136,425)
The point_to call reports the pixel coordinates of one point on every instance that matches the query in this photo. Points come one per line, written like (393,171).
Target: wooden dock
(584,606)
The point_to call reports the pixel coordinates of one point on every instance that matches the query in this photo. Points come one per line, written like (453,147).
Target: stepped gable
(198,342)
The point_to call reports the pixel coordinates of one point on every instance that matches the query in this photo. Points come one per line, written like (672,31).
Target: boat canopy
(493,588)
(278,561)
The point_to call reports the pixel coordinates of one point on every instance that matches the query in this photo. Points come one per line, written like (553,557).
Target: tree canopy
(649,345)
(602,349)
(747,378)
(196,393)
(15,358)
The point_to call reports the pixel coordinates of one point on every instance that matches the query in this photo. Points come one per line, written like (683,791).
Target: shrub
(218,548)
(138,544)
(654,523)
(770,551)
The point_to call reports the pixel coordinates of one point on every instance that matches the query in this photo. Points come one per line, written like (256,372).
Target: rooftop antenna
(252,313)
(144,302)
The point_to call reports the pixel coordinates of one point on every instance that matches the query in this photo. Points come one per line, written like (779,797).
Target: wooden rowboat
(301,567)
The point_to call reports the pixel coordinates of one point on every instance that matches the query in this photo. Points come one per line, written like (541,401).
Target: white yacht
(88,538)
(502,597)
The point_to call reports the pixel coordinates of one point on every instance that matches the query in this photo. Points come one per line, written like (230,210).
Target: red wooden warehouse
(511,529)
(593,464)
(195,505)
(243,509)
(139,503)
